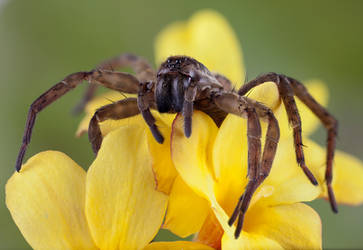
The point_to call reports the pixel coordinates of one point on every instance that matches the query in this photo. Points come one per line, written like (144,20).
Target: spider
(182,84)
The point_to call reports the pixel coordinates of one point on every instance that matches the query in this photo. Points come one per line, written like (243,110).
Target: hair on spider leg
(234,87)
(110,100)
(244,82)
(123,94)
(249,92)
(246,77)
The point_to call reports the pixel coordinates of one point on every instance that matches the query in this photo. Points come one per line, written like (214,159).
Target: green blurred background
(42,41)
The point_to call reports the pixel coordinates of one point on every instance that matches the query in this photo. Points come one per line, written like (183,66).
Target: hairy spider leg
(330,123)
(269,152)
(286,93)
(122,82)
(139,65)
(287,87)
(258,169)
(115,111)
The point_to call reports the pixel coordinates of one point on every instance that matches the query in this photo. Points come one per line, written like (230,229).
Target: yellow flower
(212,164)
(163,167)
(115,205)
(207,37)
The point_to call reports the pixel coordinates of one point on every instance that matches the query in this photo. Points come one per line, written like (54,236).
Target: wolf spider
(182,84)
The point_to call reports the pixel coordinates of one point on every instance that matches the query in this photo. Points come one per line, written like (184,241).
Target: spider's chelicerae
(182,84)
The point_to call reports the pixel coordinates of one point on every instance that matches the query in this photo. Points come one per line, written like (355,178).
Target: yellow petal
(289,182)
(230,149)
(109,125)
(46,200)
(163,167)
(347,179)
(207,37)
(191,156)
(248,241)
(266,93)
(347,172)
(211,232)
(163,121)
(93,105)
(186,211)
(230,161)
(123,208)
(192,159)
(315,157)
(295,226)
(308,120)
(177,245)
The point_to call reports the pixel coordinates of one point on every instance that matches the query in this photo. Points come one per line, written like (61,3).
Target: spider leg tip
(159,138)
(187,134)
(230,222)
(314,182)
(335,209)
(239,227)
(187,130)
(237,232)
(309,175)
(334,206)
(156,134)
(332,201)
(18,165)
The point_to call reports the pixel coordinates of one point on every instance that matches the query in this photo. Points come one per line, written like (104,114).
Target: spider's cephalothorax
(174,77)
(181,85)
(172,80)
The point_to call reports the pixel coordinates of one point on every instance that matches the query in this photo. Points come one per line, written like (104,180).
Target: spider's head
(173,77)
